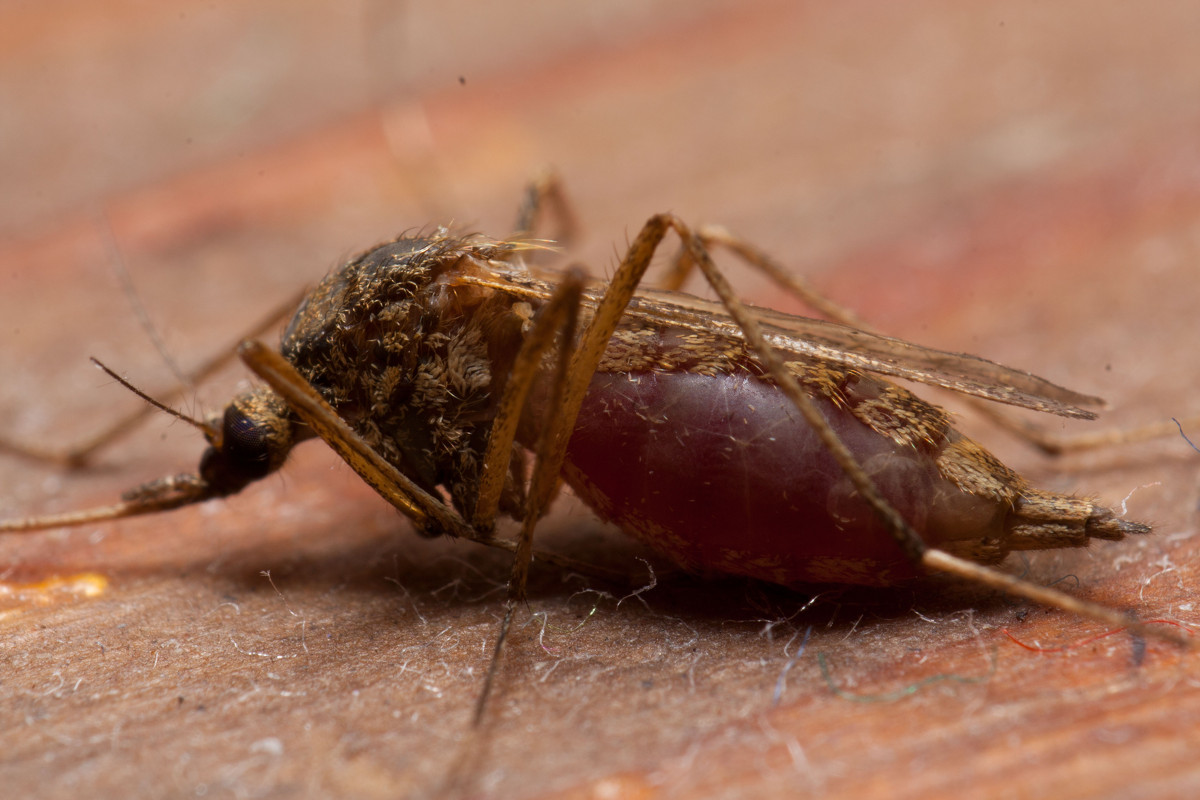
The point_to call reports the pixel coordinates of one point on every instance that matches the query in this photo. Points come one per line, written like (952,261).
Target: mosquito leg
(906,537)
(80,454)
(570,387)
(544,482)
(557,315)
(1056,444)
(592,343)
(714,235)
(544,193)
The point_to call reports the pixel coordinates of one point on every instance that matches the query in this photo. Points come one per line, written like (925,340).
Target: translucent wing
(840,344)
(869,352)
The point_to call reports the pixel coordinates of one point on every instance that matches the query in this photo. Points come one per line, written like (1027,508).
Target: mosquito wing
(869,352)
(840,344)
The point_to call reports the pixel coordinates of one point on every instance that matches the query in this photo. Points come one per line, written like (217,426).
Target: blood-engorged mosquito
(734,439)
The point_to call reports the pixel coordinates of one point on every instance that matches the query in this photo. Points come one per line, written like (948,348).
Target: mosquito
(736,440)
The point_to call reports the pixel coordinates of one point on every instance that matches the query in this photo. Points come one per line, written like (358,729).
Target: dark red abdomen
(724,476)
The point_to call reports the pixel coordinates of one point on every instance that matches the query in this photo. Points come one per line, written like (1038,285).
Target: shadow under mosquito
(442,573)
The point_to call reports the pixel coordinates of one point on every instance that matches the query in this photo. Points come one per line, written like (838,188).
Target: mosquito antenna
(121,267)
(211,432)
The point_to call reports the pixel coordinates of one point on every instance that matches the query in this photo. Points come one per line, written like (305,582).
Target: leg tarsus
(493,667)
(940,561)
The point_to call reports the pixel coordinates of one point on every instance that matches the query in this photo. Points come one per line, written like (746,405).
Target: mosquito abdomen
(722,475)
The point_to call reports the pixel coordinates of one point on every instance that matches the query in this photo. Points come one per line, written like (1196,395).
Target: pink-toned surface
(1021,182)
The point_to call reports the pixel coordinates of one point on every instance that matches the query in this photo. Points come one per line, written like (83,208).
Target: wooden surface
(1020,181)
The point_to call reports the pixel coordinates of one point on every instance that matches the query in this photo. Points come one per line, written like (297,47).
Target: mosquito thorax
(256,433)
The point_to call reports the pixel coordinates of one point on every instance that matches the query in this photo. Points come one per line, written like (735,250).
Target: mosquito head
(253,439)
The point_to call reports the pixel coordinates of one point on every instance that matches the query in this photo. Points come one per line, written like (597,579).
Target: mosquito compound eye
(246,439)
(245,454)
